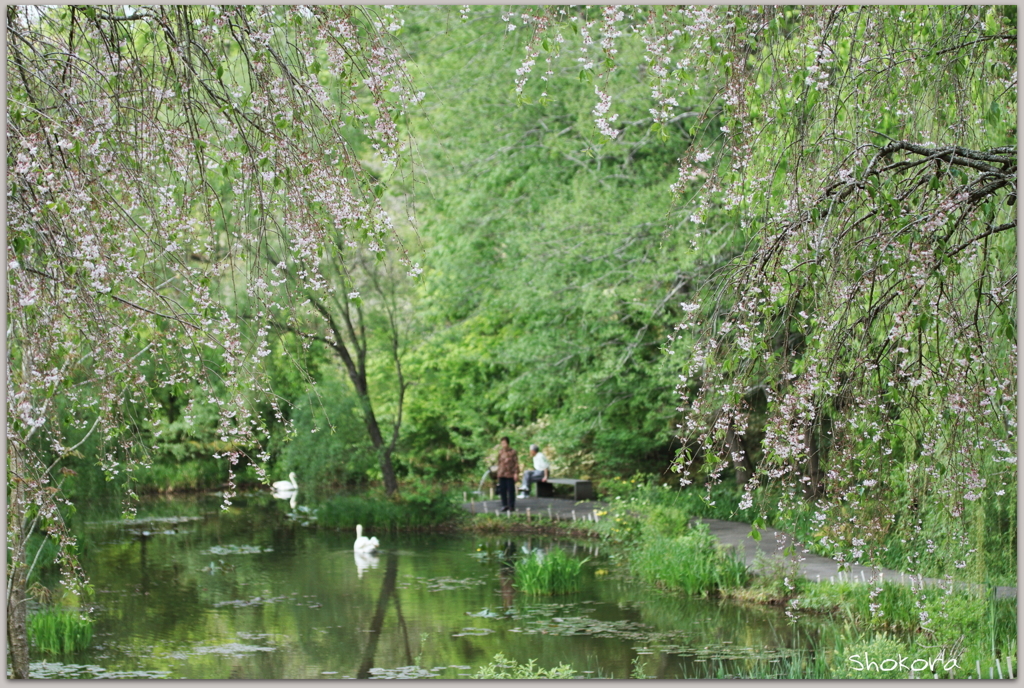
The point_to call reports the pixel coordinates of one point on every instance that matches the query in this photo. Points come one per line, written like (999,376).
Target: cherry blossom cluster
(163,204)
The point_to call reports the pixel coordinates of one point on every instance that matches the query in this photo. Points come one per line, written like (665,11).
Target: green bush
(966,624)
(415,506)
(554,573)
(59,631)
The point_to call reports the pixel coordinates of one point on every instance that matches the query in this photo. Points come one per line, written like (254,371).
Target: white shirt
(540,462)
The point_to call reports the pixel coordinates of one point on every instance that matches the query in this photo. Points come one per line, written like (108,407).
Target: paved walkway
(544,507)
(812,566)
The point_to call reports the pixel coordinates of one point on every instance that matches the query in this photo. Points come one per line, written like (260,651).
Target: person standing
(539,472)
(508,475)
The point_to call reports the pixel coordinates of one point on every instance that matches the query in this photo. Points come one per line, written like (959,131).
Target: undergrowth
(676,556)
(414,507)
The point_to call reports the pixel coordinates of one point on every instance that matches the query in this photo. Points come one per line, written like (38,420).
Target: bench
(581,489)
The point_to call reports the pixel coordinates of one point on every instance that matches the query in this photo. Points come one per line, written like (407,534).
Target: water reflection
(507,574)
(364,561)
(377,625)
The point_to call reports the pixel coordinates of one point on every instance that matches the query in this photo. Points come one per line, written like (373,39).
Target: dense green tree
(555,264)
(191,190)
(864,342)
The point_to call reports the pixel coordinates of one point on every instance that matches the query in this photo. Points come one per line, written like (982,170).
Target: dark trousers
(507,490)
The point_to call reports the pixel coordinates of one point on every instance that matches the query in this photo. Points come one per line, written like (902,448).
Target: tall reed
(59,631)
(553,573)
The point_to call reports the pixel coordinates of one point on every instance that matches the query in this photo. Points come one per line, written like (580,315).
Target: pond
(191,591)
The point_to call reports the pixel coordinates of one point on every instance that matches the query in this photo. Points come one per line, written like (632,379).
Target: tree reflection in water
(387,594)
(506,574)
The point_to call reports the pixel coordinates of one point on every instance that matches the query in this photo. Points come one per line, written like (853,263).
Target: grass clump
(59,631)
(503,667)
(553,573)
(774,580)
(693,562)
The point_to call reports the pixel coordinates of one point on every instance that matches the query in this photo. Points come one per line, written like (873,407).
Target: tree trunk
(387,469)
(384,452)
(734,445)
(812,488)
(17,568)
(17,624)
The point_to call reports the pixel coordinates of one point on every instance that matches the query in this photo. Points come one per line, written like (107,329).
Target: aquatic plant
(553,573)
(59,631)
(502,667)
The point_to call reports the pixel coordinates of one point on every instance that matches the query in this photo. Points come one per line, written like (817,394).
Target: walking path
(812,566)
(730,533)
(545,507)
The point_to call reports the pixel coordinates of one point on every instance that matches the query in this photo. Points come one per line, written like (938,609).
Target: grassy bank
(967,624)
(932,548)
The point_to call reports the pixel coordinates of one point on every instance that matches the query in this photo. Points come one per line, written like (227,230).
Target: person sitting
(539,472)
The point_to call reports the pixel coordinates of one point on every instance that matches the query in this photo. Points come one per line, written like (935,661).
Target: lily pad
(238,549)
(445,583)
(254,602)
(473,631)
(58,670)
(237,650)
(403,672)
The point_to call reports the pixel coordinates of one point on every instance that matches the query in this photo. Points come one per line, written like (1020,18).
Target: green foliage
(59,631)
(964,621)
(553,264)
(501,668)
(642,492)
(693,562)
(187,474)
(329,445)
(775,578)
(550,573)
(416,506)
(863,657)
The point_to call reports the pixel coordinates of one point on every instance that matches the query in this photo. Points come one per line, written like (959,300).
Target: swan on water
(286,485)
(365,544)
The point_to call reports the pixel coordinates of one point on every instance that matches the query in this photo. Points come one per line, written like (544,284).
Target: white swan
(286,485)
(364,544)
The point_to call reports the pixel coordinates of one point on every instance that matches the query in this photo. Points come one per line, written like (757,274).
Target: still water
(191,591)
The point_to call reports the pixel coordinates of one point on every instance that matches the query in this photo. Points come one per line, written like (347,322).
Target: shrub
(416,506)
(554,573)
(776,576)
(59,631)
